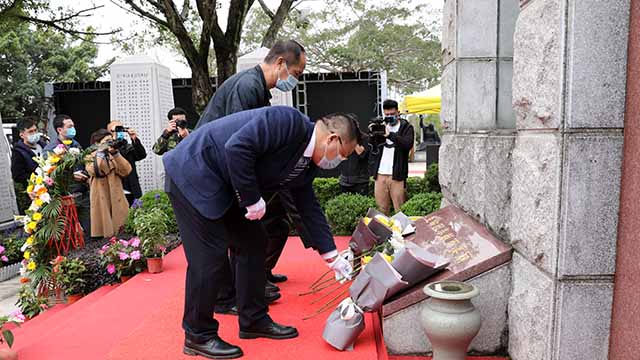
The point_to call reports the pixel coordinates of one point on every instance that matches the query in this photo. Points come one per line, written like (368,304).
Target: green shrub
(326,189)
(12,240)
(415,186)
(150,200)
(422,204)
(431,179)
(345,210)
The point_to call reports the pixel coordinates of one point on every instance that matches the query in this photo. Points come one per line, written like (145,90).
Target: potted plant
(15,318)
(69,273)
(122,258)
(151,227)
(30,303)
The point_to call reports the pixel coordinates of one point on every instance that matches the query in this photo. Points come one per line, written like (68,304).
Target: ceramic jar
(449,319)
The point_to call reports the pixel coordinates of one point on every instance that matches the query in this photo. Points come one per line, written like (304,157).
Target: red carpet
(141,320)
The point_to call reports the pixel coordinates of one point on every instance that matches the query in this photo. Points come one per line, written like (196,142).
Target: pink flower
(123,255)
(4,258)
(124,243)
(48,181)
(17,315)
(105,247)
(162,248)
(135,255)
(44,306)
(112,240)
(111,268)
(1,249)
(101,252)
(135,241)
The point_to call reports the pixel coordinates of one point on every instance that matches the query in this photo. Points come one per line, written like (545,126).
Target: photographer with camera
(391,157)
(175,131)
(133,151)
(106,168)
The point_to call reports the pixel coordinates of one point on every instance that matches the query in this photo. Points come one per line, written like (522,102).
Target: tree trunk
(280,16)
(201,89)
(226,61)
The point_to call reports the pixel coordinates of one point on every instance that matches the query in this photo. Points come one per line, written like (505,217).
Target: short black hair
(345,124)
(176,111)
(26,123)
(58,121)
(390,104)
(98,135)
(290,50)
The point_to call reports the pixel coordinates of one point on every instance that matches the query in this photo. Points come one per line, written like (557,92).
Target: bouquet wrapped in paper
(375,283)
(416,264)
(344,325)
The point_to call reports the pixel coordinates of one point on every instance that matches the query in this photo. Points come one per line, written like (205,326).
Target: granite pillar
(9,206)
(625,322)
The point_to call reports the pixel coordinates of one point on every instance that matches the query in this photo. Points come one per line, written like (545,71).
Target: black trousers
(205,244)
(277,228)
(362,189)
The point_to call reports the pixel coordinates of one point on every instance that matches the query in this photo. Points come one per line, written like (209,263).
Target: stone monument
(141,97)
(9,206)
(254,58)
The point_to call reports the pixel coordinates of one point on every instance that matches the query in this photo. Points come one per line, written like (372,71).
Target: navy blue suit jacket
(244,154)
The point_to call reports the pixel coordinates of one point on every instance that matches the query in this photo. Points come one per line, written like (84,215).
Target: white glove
(340,265)
(257,210)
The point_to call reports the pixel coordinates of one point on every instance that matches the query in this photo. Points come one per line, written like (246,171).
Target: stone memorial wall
(141,97)
(9,208)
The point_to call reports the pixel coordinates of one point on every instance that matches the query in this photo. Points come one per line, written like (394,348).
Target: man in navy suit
(215,181)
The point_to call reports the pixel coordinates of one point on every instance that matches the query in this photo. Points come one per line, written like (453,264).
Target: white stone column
(9,208)
(141,97)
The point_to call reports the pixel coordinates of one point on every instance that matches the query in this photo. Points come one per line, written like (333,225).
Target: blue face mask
(330,164)
(287,85)
(71,133)
(34,138)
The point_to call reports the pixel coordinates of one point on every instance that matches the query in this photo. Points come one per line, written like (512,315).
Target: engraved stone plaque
(141,97)
(468,246)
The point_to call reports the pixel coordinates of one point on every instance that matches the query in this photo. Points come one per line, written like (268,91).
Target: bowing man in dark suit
(215,181)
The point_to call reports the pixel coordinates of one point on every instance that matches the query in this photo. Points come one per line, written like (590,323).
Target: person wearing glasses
(217,179)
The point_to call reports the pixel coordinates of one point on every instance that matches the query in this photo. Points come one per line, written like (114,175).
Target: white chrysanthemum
(74,151)
(46,198)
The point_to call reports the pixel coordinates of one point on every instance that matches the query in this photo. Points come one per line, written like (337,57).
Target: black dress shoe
(233,310)
(271,297)
(272,330)
(271,287)
(216,348)
(276,278)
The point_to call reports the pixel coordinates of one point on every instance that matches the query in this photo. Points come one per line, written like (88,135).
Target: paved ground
(9,295)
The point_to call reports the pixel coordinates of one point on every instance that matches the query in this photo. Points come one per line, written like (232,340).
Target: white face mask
(327,164)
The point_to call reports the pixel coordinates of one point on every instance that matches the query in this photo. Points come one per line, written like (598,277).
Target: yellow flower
(54,159)
(32,225)
(27,254)
(29,240)
(31,266)
(367,220)
(38,202)
(366,259)
(30,188)
(37,216)
(389,258)
(32,177)
(38,180)
(67,142)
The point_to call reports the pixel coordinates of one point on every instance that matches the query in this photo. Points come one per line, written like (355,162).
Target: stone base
(403,333)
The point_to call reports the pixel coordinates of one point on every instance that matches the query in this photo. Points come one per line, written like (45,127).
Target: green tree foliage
(31,56)
(355,35)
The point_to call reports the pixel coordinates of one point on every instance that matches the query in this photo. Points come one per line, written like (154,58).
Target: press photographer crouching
(392,139)
(106,168)
(133,151)
(175,131)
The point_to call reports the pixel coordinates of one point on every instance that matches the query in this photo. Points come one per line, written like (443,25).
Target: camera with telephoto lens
(377,131)
(117,144)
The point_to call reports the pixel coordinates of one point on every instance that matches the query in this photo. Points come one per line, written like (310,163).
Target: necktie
(301,166)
